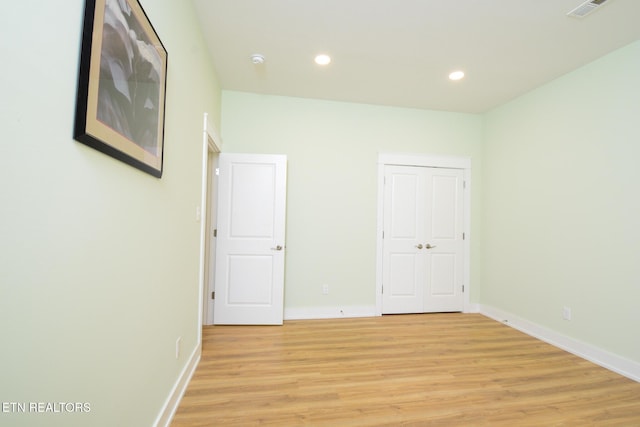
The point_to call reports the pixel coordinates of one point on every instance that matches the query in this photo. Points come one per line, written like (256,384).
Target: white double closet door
(423,246)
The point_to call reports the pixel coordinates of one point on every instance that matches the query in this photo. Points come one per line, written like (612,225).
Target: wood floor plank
(410,370)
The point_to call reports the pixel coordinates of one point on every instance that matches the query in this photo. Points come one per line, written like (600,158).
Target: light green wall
(561,207)
(99,261)
(332,150)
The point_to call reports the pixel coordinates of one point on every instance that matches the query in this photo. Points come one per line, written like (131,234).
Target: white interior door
(403,261)
(422,269)
(443,245)
(249,276)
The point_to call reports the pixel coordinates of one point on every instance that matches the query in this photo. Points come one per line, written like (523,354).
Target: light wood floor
(410,370)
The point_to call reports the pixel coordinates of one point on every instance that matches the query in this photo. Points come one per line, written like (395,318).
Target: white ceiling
(399,52)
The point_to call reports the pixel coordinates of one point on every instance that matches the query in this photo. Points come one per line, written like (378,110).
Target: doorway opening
(211,147)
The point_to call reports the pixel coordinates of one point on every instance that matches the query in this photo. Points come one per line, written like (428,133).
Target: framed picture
(121,85)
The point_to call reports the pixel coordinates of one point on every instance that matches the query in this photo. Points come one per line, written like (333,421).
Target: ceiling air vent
(586,8)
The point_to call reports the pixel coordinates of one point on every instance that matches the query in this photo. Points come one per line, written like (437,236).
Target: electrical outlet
(325,289)
(566,313)
(178,345)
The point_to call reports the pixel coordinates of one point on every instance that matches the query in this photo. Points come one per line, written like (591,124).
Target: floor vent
(586,8)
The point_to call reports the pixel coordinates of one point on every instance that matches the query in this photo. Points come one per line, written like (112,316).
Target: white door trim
(425,160)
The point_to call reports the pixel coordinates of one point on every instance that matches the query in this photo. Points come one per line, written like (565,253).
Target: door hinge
(217,171)
(464,185)
(215,232)
(463,236)
(462,288)
(213,295)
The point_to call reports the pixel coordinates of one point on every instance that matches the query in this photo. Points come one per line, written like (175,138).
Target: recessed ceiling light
(323,59)
(456,75)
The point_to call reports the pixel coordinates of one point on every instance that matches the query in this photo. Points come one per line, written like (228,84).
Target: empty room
(346,213)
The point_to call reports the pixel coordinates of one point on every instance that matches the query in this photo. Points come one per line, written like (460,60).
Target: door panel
(443,206)
(402,274)
(250,245)
(442,279)
(404,209)
(252,217)
(406,292)
(443,291)
(250,280)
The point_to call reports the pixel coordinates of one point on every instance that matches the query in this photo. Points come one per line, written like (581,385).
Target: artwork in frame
(121,86)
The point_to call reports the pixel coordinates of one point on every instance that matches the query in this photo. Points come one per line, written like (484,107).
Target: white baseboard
(171,404)
(307,313)
(613,362)
(472,308)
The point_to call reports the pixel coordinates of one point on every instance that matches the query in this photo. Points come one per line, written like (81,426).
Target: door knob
(428,246)
(419,246)
(277,248)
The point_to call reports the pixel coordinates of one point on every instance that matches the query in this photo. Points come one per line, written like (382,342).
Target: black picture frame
(120,108)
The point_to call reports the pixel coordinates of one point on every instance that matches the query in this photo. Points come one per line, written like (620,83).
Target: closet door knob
(419,246)
(428,246)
